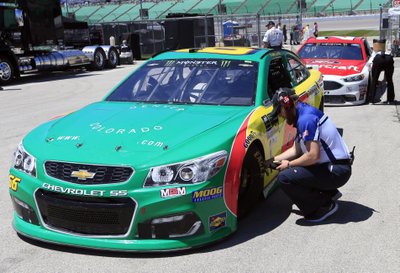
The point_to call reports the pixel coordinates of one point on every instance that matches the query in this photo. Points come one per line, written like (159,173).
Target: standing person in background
(306,32)
(273,38)
(315,30)
(292,35)
(382,61)
(296,35)
(284,31)
(299,33)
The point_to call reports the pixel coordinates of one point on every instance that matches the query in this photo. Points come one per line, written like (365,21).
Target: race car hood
(336,67)
(118,132)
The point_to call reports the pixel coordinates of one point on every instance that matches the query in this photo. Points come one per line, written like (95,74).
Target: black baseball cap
(270,23)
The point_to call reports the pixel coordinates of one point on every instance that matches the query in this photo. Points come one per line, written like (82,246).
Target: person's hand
(284,165)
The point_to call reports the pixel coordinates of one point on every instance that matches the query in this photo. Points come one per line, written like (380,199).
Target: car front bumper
(147,223)
(339,92)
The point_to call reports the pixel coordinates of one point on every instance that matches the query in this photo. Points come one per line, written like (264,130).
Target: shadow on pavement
(268,215)
(348,212)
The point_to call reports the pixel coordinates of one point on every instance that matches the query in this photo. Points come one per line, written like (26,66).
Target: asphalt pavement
(363,236)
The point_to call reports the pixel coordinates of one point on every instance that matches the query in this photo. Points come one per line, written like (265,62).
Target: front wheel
(251,181)
(99,60)
(7,72)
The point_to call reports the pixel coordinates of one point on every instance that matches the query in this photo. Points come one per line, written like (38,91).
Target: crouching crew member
(317,164)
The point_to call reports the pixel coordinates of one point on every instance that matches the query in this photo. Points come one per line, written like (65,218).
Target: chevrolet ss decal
(81,192)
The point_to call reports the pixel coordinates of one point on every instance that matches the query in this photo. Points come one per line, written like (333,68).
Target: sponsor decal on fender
(217,221)
(172,192)
(249,138)
(207,194)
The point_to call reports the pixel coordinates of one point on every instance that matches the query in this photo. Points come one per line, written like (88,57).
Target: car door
(307,83)
(278,77)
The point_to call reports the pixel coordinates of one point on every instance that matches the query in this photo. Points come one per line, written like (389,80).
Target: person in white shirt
(273,38)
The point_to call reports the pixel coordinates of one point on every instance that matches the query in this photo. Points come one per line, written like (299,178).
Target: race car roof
(239,53)
(224,50)
(335,39)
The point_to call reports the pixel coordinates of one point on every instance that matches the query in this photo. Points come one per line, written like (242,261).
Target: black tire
(251,181)
(112,61)
(99,60)
(7,71)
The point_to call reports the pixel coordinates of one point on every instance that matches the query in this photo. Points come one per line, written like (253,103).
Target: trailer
(34,37)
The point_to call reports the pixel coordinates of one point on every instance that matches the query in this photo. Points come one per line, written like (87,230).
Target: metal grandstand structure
(105,11)
(153,20)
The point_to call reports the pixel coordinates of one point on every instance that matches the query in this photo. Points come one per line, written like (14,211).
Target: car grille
(330,85)
(339,98)
(103,174)
(85,215)
(334,99)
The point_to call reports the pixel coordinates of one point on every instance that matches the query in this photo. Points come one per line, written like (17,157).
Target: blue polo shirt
(313,125)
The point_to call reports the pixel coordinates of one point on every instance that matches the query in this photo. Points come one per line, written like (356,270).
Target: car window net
(194,81)
(341,51)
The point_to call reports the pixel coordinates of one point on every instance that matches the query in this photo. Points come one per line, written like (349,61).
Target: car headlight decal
(355,78)
(162,174)
(23,161)
(189,172)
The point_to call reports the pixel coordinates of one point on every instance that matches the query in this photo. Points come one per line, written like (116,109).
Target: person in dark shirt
(382,62)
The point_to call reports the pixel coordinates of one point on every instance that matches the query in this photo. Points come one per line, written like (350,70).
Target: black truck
(34,36)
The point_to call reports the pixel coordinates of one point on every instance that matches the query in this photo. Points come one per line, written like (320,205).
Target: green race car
(168,160)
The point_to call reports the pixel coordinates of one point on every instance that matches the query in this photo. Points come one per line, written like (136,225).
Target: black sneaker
(322,213)
(391,102)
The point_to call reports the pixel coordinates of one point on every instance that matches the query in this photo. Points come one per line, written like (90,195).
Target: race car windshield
(194,81)
(340,51)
